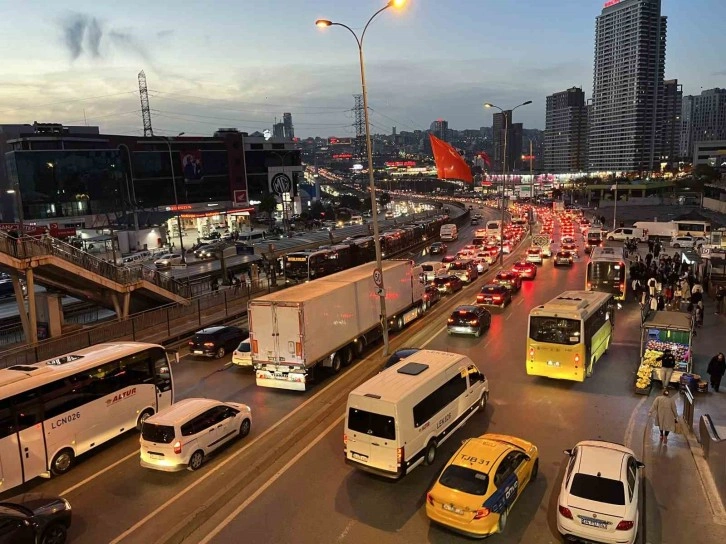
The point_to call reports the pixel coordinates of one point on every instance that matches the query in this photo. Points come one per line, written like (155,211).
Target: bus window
(555,330)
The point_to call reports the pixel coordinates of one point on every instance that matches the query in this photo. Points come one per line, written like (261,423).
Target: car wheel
(55,533)
(430,455)
(502,305)
(610,238)
(62,462)
(502,520)
(220,352)
(676,246)
(535,470)
(477,334)
(146,414)
(483,400)
(244,429)
(196,460)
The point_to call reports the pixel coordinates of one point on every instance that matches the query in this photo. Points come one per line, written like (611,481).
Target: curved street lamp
(176,199)
(324,23)
(504,173)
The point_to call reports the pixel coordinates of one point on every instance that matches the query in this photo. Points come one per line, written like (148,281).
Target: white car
(430,269)
(534,255)
(187,432)
(482,262)
(686,241)
(568,240)
(600,493)
(167,260)
(242,356)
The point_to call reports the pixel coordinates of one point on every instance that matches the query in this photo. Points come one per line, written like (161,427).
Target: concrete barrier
(714,450)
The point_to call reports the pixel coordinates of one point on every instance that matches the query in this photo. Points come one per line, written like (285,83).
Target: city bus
(55,410)
(697,229)
(569,334)
(606,272)
(309,264)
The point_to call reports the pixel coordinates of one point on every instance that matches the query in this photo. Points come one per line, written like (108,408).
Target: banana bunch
(644,376)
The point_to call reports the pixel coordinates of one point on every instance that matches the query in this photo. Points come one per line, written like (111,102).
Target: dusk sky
(241,63)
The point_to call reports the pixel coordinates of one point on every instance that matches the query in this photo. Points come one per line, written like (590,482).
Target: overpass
(64,268)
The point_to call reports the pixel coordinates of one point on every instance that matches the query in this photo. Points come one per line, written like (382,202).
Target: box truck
(664,230)
(327,323)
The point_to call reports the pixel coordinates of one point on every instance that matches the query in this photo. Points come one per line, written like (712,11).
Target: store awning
(673,321)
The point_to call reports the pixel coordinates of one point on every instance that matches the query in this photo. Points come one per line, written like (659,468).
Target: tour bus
(697,229)
(55,410)
(449,232)
(569,334)
(606,272)
(396,420)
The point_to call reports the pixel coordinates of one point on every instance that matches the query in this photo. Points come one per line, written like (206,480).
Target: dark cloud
(73,27)
(127,42)
(94,34)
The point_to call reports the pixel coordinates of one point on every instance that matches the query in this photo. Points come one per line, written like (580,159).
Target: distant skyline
(242,63)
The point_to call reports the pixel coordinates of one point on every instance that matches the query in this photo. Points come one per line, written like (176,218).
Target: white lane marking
(344,533)
(520,302)
(508,316)
(237,511)
(97,474)
(218,467)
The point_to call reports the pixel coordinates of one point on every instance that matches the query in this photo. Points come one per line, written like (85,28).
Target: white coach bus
(55,410)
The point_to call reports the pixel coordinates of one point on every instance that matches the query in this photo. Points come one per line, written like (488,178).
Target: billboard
(192,165)
(340,141)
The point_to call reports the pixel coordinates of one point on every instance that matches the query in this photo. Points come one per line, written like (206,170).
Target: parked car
(469,319)
(398,355)
(167,260)
(34,519)
(686,241)
(217,341)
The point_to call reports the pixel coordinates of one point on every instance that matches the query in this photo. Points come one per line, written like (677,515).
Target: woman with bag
(666,414)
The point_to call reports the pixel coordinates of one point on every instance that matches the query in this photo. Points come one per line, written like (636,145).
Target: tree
(268,203)
(384,199)
(350,201)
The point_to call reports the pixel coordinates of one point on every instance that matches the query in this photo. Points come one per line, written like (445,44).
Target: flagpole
(615,205)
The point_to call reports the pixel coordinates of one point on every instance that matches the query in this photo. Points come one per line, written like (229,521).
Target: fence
(26,247)
(160,325)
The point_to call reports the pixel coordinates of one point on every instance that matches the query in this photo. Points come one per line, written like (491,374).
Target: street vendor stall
(661,331)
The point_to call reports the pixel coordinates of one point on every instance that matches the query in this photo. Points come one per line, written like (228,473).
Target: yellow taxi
(481,482)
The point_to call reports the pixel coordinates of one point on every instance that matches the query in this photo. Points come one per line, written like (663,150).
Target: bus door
(163,380)
(29,418)
(11,470)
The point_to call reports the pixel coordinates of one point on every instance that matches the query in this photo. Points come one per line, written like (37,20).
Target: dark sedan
(510,280)
(431,295)
(563,258)
(469,319)
(448,284)
(216,341)
(34,519)
(398,355)
(494,294)
(438,248)
(527,271)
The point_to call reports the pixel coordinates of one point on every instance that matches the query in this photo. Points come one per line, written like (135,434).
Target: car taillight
(481,513)
(191,343)
(589,285)
(473,322)
(565,512)
(448,284)
(399,455)
(480,298)
(430,498)
(345,438)
(177,447)
(208,344)
(497,297)
(450,320)
(577,358)
(531,352)
(254,346)
(624,525)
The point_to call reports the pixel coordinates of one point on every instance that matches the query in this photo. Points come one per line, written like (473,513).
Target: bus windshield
(554,330)
(606,272)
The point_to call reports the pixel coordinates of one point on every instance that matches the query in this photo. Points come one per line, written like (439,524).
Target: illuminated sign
(400,164)
(528,157)
(340,141)
(179,207)
(611,3)
(343,156)
(297,259)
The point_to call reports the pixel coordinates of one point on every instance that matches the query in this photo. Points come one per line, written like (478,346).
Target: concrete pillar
(20,299)
(49,309)
(32,338)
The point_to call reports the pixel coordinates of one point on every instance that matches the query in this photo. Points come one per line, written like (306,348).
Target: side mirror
(640,464)
(568,453)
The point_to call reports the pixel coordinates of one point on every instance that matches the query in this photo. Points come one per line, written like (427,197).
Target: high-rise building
(278,130)
(289,132)
(703,119)
(670,123)
(440,129)
(630,40)
(504,130)
(565,139)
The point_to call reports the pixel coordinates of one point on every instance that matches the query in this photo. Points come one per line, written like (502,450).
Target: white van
(449,232)
(625,233)
(184,434)
(396,420)
(494,228)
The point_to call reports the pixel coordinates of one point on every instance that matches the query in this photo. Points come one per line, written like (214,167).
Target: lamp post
(323,23)
(15,191)
(504,173)
(131,192)
(176,199)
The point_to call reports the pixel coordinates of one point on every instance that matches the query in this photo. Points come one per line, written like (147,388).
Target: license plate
(452,508)
(198,353)
(280,375)
(360,457)
(594,523)
(156,456)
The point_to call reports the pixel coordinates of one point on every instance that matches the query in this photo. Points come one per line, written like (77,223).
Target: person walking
(668,363)
(716,369)
(720,294)
(666,414)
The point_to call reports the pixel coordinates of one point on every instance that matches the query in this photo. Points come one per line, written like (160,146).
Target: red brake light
(565,512)
(430,498)
(177,447)
(400,454)
(479,298)
(531,352)
(577,358)
(191,343)
(481,513)
(497,297)
(624,525)
(450,320)
(345,439)
(209,344)
(473,322)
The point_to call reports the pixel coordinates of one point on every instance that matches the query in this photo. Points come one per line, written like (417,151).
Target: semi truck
(328,323)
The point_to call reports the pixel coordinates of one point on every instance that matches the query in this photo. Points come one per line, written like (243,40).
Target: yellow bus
(569,334)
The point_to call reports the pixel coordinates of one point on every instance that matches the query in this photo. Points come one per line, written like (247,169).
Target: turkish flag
(449,164)
(485,157)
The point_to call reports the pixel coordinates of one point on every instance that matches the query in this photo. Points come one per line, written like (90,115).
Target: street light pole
(176,198)
(322,23)
(504,173)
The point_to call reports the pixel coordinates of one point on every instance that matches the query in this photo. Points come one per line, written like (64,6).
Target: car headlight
(68,505)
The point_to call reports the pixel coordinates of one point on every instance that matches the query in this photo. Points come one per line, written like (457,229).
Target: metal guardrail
(714,450)
(26,247)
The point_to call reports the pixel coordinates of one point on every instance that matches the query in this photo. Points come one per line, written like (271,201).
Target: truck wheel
(347,355)
(399,323)
(335,364)
(358,346)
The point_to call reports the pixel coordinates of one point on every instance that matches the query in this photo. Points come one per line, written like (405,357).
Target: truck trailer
(654,230)
(327,323)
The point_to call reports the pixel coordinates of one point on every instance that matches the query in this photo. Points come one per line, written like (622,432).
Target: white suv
(184,434)
(600,493)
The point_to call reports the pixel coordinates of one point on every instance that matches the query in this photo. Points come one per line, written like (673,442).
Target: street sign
(378,277)
(381,292)
(281,183)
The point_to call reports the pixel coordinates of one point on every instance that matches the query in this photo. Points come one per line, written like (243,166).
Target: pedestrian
(696,293)
(650,245)
(720,293)
(651,287)
(666,414)
(699,314)
(716,369)
(668,363)
(635,285)
(657,249)
(235,285)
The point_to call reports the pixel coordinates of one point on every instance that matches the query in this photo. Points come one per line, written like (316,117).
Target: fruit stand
(661,330)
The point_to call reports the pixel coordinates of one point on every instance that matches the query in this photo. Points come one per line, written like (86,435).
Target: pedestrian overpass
(59,266)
